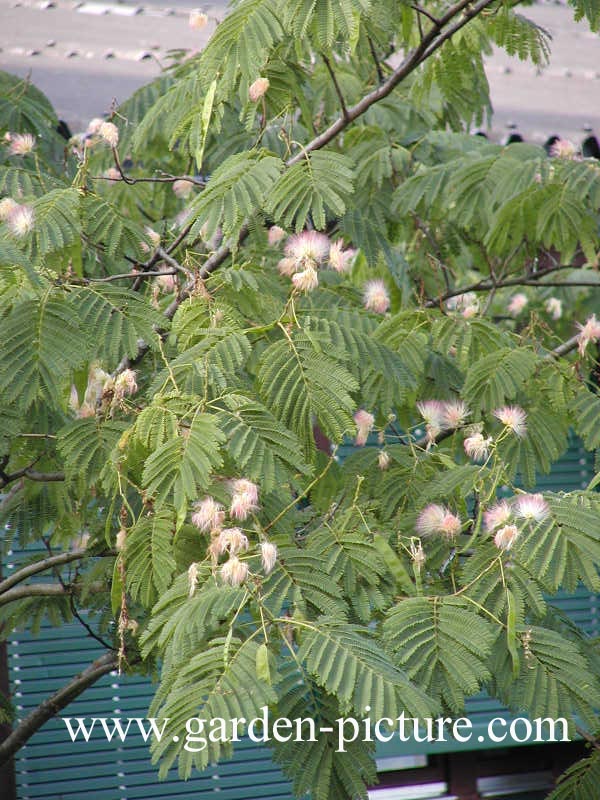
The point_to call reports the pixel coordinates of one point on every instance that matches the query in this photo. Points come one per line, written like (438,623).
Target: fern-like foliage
(317,766)
(118,318)
(259,444)
(299,381)
(42,344)
(236,189)
(554,677)
(220,681)
(580,781)
(348,664)
(443,644)
(150,563)
(242,42)
(180,468)
(86,445)
(322,182)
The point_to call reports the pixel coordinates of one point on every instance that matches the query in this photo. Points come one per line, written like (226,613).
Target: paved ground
(84,54)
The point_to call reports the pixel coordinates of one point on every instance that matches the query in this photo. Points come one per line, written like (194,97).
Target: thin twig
(337,87)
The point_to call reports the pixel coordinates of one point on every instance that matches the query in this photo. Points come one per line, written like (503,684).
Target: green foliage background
(235,370)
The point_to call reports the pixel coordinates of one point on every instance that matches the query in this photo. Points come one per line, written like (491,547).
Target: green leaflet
(178,470)
(443,645)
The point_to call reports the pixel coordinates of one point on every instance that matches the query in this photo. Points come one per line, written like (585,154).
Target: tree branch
(32,474)
(41,566)
(336,85)
(52,705)
(34,590)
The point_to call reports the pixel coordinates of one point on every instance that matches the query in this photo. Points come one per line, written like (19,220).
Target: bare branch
(133,275)
(41,566)
(34,590)
(54,704)
(336,85)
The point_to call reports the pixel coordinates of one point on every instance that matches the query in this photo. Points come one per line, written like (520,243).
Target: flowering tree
(285,243)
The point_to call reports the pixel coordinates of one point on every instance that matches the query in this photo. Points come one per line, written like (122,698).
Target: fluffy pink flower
(258,89)
(437,519)
(182,188)
(268,553)
(307,280)
(198,20)
(166,283)
(244,499)
(514,417)
(454,414)
(517,304)
(590,332)
(506,536)
(125,384)
(287,266)
(339,259)
(532,507)
(498,514)
(554,307)
(276,234)
(94,126)
(433,412)
(109,132)
(21,144)
(209,515)
(383,460)
(193,573)
(308,248)
(7,206)
(375,296)
(364,425)
(562,148)
(233,541)
(20,220)
(477,446)
(234,571)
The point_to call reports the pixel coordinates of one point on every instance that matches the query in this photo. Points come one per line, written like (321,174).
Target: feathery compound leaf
(220,681)
(443,645)
(325,20)
(181,467)
(155,425)
(242,42)
(349,664)
(86,445)
(519,36)
(118,319)
(554,681)
(215,361)
(112,230)
(586,417)
(237,188)
(302,580)
(181,624)
(259,444)
(300,382)
(316,766)
(321,182)
(41,344)
(57,221)
(580,781)
(564,549)
(495,378)
(149,557)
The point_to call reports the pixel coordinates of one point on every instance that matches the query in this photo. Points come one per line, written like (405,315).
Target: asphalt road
(86,55)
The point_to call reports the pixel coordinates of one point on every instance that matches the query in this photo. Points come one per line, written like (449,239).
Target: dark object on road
(590,148)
